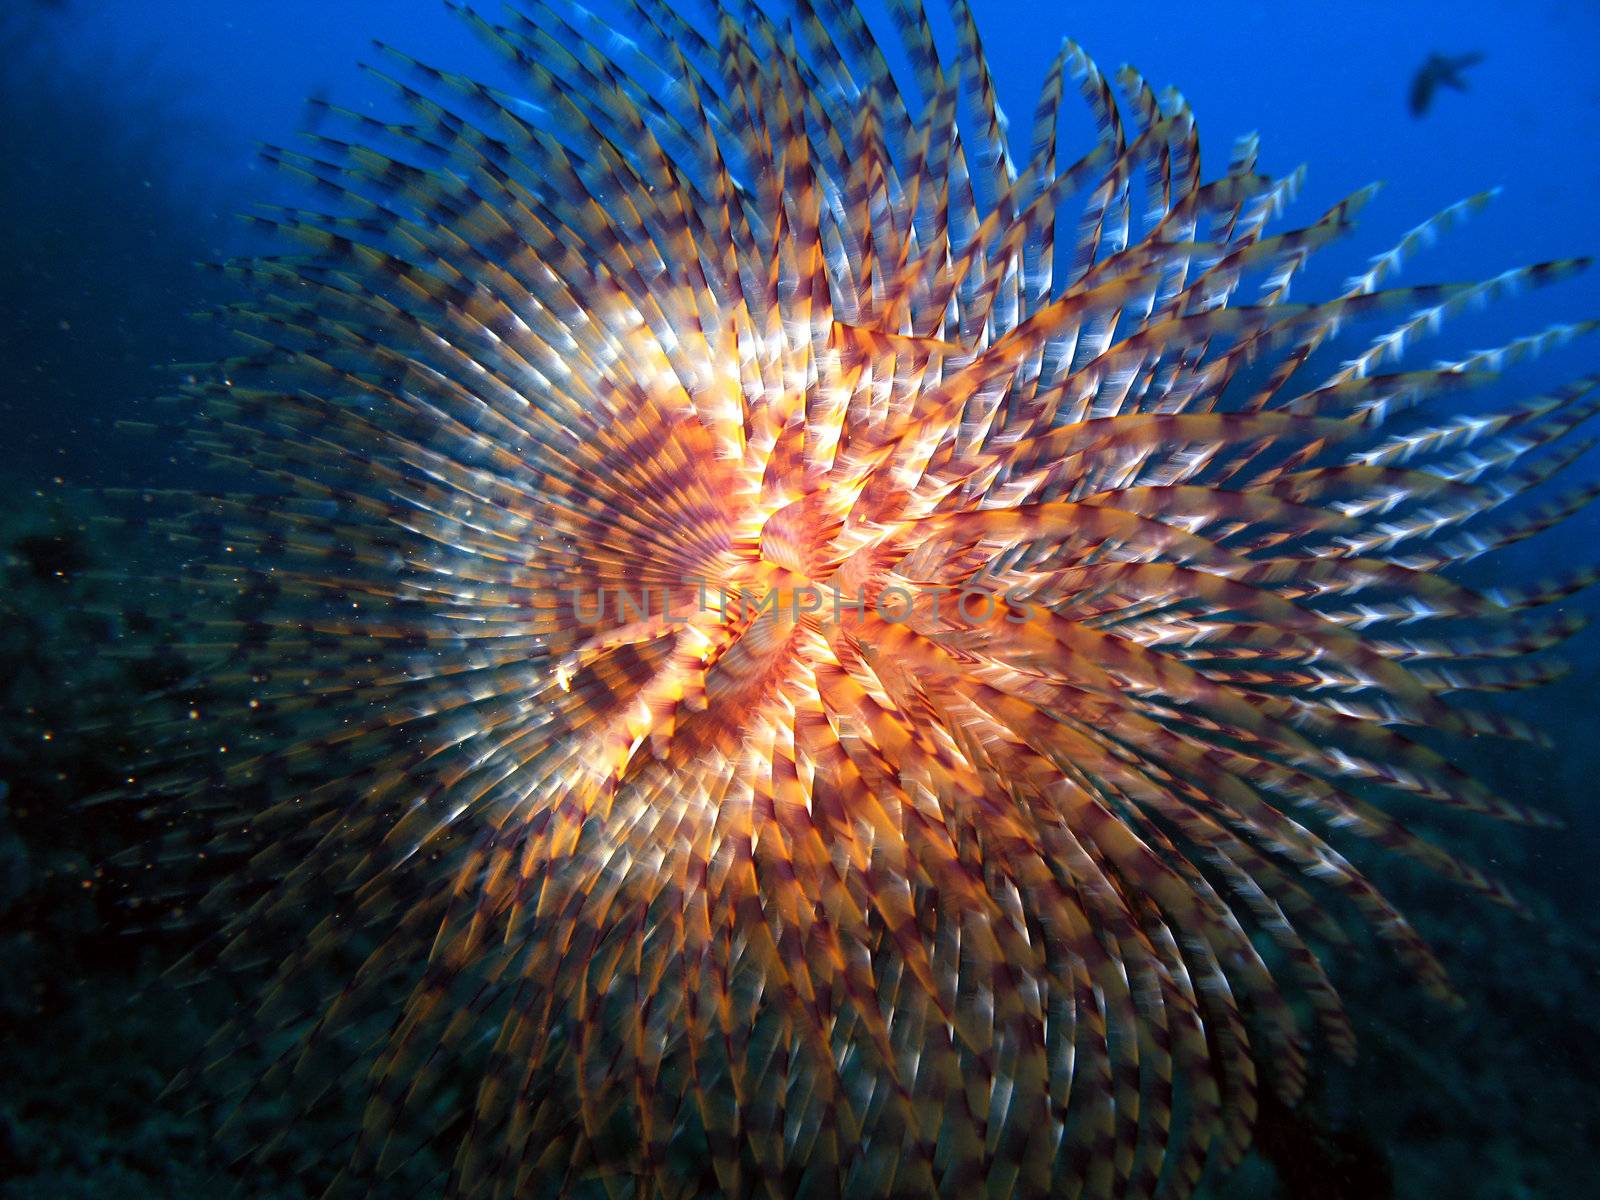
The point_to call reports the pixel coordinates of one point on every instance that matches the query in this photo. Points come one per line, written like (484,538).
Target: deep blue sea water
(133,140)
(1324,85)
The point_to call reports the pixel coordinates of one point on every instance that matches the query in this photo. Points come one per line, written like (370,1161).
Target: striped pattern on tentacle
(790,640)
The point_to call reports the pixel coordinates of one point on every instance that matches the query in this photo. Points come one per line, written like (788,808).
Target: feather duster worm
(789,642)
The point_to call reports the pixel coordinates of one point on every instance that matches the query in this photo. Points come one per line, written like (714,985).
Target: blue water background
(1324,84)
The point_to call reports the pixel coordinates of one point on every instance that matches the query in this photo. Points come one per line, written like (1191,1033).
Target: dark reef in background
(103,219)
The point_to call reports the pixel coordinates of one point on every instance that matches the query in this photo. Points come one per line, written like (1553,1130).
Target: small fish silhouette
(1439,69)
